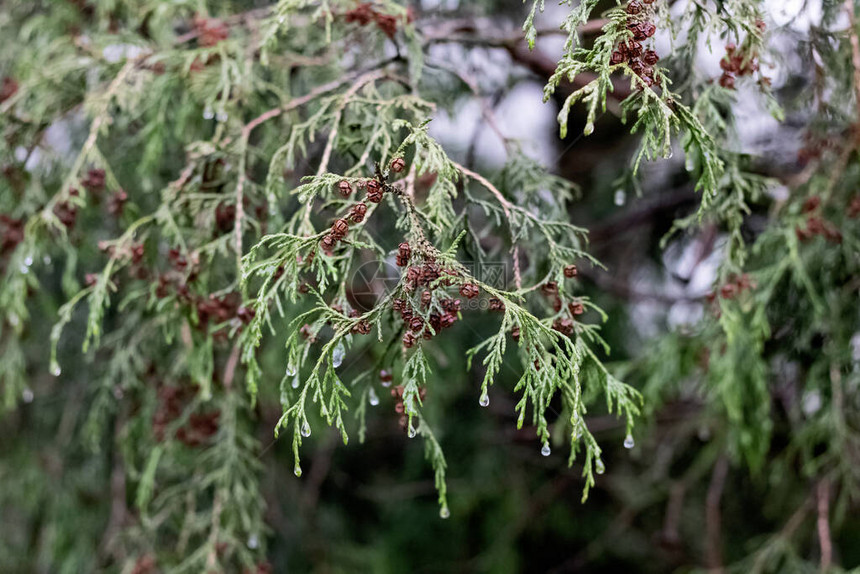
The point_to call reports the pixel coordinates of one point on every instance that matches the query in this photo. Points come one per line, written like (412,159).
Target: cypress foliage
(222,218)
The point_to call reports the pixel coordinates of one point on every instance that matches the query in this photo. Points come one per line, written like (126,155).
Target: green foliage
(180,193)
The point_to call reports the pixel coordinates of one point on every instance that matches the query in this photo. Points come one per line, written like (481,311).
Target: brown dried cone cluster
(641,61)
(817,225)
(209,308)
(400,408)
(403,254)
(66,211)
(362,327)
(172,401)
(385,377)
(8,88)
(564,325)
(94,180)
(854,207)
(735,64)
(11,233)
(116,203)
(446,316)
(210,31)
(375,189)
(735,286)
(307,332)
(365,13)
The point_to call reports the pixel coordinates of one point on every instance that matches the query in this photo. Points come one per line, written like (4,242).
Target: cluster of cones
(735,64)
(641,61)
(816,224)
(375,188)
(172,401)
(447,315)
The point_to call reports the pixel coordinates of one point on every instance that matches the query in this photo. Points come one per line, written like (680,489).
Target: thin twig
(486,109)
(855,49)
(212,558)
(506,205)
(823,524)
(518,279)
(230,367)
(674,507)
(713,520)
(347,96)
(101,117)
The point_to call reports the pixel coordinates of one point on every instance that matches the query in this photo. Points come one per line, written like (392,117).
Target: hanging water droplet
(291,370)
(55,370)
(545,450)
(24,269)
(620,197)
(588,129)
(208,113)
(412,432)
(222,116)
(297,470)
(28,260)
(372,398)
(253,541)
(46,259)
(690,163)
(629,442)
(484,401)
(295,384)
(27,395)
(338,354)
(444,512)
(306,429)
(599,468)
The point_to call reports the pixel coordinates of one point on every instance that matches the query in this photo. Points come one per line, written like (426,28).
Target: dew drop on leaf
(306,429)
(444,512)
(412,432)
(297,470)
(55,370)
(545,450)
(484,401)
(208,113)
(295,382)
(291,369)
(588,129)
(599,467)
(372,398)
(620,197)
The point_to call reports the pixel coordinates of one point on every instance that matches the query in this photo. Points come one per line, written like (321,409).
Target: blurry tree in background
(236,236)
